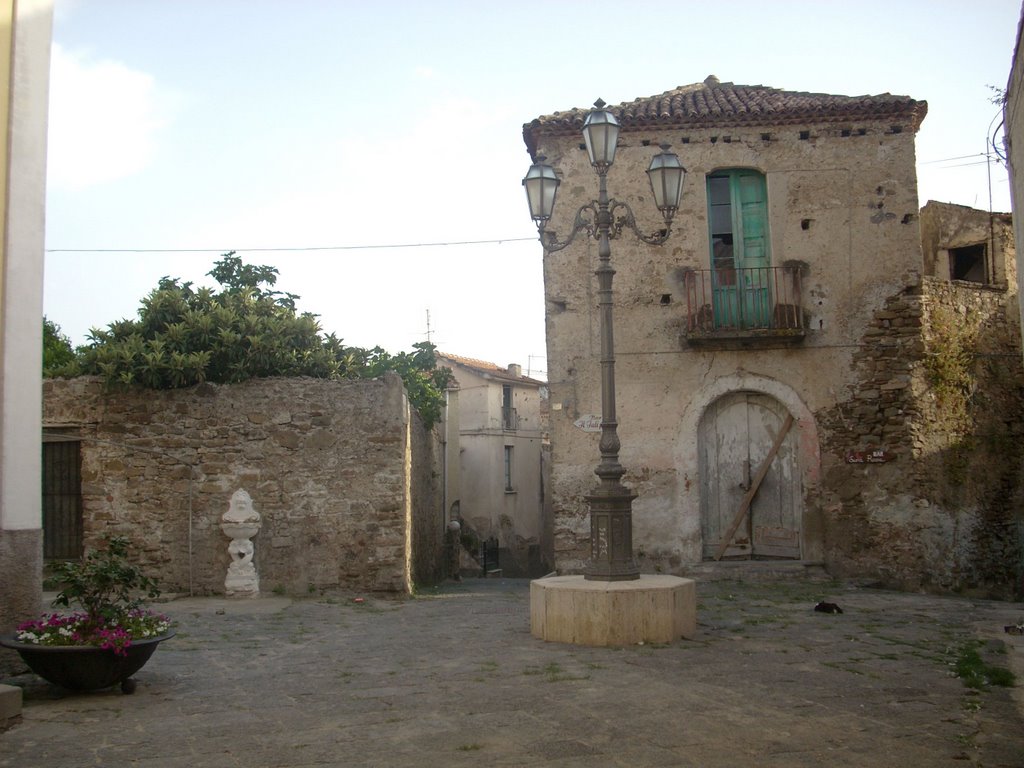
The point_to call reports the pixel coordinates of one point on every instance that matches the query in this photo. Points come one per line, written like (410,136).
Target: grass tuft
(977,673)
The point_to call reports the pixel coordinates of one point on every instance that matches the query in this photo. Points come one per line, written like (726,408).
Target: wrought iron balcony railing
(745,305)
(509,419)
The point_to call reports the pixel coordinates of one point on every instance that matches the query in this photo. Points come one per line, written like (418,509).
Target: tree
(57,350)
(185,335)
(424,381)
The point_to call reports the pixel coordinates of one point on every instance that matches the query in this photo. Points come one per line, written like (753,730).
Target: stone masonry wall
(940,393)
(332,467)
(426,500)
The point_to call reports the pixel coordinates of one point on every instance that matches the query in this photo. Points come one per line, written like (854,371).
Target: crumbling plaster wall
(342,473)
(945,226)
(845,205)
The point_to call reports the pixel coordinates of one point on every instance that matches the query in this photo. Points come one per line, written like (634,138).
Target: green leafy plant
(185,335)
(111,590)
(950,362)
(104,583)
(57,349)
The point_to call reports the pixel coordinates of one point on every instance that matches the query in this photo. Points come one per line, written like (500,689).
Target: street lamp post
(611,516)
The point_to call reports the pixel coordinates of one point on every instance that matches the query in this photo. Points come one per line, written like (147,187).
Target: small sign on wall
(588,423)
(877,456)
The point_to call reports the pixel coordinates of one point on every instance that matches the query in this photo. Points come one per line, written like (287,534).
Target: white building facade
(500,491)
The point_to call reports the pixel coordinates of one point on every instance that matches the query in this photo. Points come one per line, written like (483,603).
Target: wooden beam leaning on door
(754,486)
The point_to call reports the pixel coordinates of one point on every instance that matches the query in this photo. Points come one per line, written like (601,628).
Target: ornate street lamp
(611,515)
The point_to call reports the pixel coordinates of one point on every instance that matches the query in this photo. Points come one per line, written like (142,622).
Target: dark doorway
(62,500)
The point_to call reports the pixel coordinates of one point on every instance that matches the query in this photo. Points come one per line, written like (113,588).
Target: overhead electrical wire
(949,159)
(292,249)
(966,165)
(978,158)
(995,144)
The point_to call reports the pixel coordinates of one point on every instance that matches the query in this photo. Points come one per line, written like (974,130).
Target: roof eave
(571,123)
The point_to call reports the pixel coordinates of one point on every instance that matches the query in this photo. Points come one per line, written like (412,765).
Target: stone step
(758,570)
(10,705)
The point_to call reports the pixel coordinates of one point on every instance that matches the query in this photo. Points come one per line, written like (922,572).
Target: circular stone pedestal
(651,609)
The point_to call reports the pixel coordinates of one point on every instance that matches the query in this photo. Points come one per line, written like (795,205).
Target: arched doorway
(750,479)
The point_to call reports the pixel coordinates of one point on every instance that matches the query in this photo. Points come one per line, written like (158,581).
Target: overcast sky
(307,125)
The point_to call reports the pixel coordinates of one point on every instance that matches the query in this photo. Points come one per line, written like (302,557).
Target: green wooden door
(740,258)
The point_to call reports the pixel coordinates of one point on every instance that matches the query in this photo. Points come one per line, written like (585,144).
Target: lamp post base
(651,609)
(611,536)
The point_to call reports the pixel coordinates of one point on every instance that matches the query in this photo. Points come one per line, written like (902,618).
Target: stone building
(965,244)
(500,490)
(343,474)
(786,332)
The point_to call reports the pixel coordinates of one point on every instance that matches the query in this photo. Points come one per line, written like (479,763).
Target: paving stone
(454,678)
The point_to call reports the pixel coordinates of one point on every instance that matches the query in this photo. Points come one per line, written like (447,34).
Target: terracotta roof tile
(716,104)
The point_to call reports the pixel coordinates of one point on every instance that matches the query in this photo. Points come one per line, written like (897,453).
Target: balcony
(741,308)
(509,419)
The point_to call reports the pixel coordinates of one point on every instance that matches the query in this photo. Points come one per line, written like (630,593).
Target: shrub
(185,335)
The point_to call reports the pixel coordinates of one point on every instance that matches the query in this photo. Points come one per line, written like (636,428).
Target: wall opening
(968,263)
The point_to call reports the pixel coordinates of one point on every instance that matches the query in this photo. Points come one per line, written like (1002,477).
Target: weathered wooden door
(740,260)
(736,435)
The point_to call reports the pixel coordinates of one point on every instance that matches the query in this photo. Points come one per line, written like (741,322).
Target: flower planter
(86,667)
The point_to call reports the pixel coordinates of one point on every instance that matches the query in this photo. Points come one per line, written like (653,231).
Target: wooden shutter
(753,207)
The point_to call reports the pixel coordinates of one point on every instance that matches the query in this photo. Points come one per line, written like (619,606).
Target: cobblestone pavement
(453,677)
